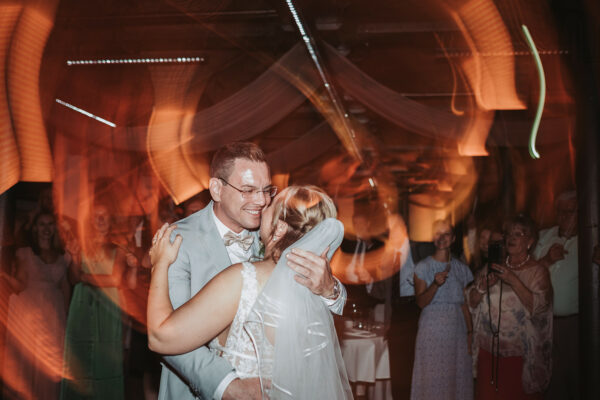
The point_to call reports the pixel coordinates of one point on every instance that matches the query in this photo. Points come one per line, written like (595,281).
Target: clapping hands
(440,278)
(555,253)
(74,249)
(164,252)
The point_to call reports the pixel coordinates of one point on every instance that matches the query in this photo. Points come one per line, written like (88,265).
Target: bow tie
(245,242)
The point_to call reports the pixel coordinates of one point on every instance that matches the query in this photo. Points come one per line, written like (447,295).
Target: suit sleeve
(337,306)
(201,369)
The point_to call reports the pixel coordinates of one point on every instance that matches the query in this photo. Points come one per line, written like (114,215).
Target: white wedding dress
(285,334)
(239,349)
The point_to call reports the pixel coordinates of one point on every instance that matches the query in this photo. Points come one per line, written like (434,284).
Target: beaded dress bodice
(239,349)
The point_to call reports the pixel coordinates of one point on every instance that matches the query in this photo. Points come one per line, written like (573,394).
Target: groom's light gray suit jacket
(202,256)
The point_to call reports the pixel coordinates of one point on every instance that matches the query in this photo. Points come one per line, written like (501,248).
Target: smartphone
(495,254)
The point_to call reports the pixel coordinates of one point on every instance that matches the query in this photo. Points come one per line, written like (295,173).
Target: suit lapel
(211,241)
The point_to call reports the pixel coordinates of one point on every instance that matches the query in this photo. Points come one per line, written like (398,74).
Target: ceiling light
(157,60)
(88,114)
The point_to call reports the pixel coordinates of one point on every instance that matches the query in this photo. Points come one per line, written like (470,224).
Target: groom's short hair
(223,160)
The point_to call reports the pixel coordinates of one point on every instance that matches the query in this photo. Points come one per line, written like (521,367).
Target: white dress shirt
(236,253)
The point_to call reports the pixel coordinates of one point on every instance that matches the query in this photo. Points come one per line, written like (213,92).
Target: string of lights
(155,60)
(505,53)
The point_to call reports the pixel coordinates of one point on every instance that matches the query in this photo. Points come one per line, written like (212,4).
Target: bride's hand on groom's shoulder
(164,252)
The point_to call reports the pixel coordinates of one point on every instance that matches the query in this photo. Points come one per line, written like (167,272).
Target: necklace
(519,265)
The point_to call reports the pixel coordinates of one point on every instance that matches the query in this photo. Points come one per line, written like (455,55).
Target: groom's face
(239,211)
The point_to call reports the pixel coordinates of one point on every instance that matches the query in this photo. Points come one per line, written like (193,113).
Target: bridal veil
(292,329)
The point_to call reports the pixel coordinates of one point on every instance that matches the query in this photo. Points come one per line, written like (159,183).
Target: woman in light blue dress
(442,367)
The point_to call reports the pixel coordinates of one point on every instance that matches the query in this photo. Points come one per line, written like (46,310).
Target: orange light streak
(34,349)
(9,154)
(163,140)
(27,47)
(491,77)
(475,135)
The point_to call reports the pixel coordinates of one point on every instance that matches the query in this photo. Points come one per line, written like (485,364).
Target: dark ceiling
(405,46)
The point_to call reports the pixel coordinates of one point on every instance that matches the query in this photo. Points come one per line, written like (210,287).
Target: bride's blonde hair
(302,208)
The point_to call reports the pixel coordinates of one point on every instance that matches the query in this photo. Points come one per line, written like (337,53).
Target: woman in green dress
(93,362)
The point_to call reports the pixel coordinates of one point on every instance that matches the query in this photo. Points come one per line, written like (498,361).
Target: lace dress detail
(239,348)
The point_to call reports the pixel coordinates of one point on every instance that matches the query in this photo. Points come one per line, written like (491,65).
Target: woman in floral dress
(512,312)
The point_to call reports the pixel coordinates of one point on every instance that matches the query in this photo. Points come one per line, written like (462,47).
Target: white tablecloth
(367,360)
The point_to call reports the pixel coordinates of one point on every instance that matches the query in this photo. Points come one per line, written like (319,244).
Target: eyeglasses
(516,234)
(270,191)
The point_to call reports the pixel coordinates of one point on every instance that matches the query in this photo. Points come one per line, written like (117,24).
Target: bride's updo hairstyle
(302,208)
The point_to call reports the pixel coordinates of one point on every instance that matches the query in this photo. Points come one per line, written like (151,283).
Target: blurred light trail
(157,60)
(23,62)
(455,77)
(72,107)
(10,161)
(348,139)
(181,171)
(542,98)
(492,78)
(367,267)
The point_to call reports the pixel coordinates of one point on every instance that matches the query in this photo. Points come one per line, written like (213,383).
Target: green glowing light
(542,98)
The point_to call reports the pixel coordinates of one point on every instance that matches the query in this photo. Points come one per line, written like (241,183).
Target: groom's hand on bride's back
(312,271)
(243,389)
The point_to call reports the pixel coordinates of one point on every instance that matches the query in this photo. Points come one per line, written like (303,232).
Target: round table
(367,360)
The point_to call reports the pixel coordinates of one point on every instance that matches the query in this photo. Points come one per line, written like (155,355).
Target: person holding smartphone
(511,304)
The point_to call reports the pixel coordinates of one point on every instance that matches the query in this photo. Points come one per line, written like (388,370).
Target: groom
(221,234)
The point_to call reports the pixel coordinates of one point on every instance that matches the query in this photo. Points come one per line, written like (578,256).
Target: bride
(255,314)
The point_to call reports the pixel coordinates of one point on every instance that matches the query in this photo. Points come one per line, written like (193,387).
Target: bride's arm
(199,320)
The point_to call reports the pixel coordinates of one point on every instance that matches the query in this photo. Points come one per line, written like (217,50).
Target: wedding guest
(24,223)
(487,235)
(167,211)
(557,251)
(196,203)
(511,304)
(37,315)
(93,341)
(141,366)
(442,367)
